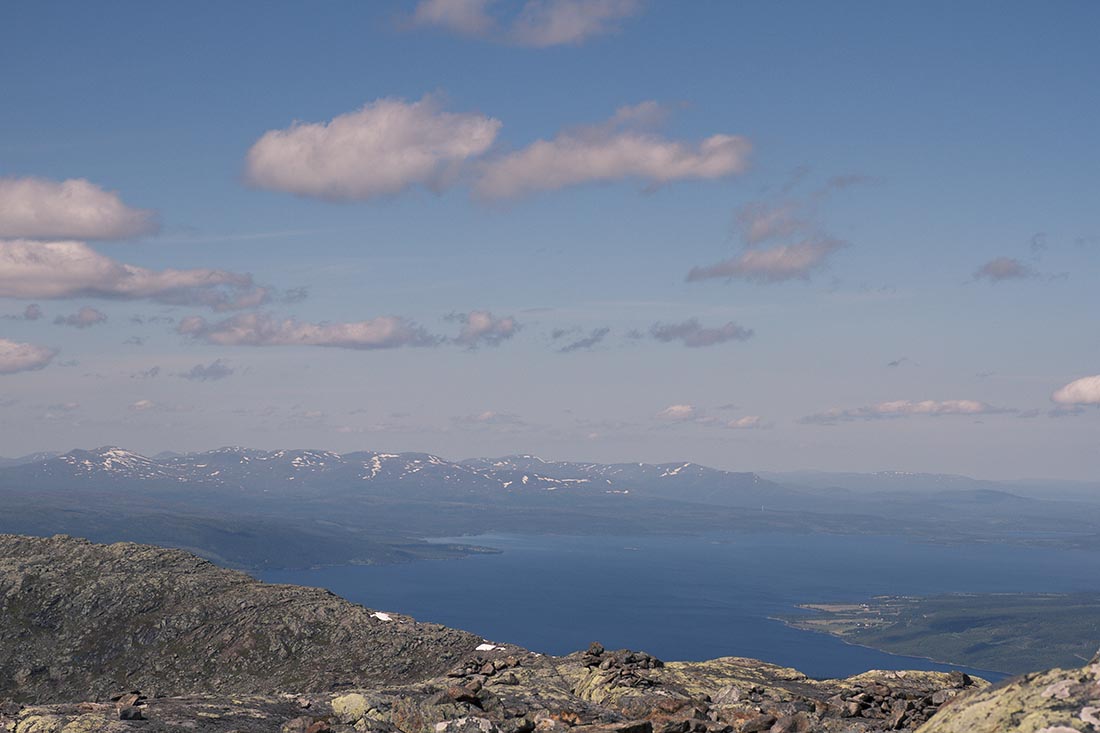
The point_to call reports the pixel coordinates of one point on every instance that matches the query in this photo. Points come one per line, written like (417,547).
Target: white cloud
(73,269)
(381,149)
(142,405)
(468,17)
(1004,268)
(748,422)
(36,208)
(678,413)
(1083,391)
(692,334)
(258,329)
(613,151)
(774,264)
(539,23)
(19,357)
(803,246)
(482,327)
(86,317)
(904,408)
(544,23)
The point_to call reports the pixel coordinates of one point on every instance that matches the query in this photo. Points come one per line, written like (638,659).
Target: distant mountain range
(408,474)
(253,508)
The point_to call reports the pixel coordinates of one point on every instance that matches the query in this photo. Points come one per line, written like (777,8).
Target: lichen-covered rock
(82,621)
(1056,701)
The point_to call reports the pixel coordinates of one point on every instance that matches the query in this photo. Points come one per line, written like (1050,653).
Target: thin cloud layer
(760,221)
(215,370)
(48,270)
(259,329)
(775,264)
(86,317)
(1000,269)
(36,208)
(382,149)
(693,335)
(1083,391)
(798,246)
(491,417)
(539,23)
(610,152)
(544,23)
(483,328)
(903,408)
(32,312)
(585,343)
(20,357)
(466,17)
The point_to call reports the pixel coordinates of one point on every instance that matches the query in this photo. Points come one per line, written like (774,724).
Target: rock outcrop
(1055,701)
(128,637)
(83,621)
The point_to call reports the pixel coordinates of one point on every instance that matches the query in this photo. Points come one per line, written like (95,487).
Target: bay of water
(692,598)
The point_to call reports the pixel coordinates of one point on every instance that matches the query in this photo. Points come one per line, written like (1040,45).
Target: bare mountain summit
(80,620)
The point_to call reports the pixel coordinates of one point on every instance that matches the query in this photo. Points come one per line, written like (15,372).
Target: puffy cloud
(775,264)
(217,369)
(748,422)
(468,17)
(381,149)
(1083,391)
(904,408)
(1004,268)
(482,327)
(73,269)
(259,329)
(142,406)
(19,357)
(613,151)
(587,342)
(678,413)
(544,23)
(36,208)
(86,317)
(539,23)
(692,334)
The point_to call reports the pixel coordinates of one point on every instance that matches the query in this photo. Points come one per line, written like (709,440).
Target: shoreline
(998,674)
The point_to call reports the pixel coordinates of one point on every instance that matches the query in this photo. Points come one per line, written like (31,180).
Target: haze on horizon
(758,237)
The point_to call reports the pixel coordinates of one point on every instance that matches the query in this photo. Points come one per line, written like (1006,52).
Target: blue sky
(865,184)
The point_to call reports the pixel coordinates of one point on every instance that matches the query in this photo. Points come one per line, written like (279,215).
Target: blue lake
(692,597)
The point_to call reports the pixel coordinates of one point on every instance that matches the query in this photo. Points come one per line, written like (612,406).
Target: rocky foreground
(135,638)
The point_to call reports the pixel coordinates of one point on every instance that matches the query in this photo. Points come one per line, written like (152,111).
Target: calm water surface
(692,597)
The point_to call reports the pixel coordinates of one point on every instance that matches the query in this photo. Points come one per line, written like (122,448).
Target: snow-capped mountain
(407,475)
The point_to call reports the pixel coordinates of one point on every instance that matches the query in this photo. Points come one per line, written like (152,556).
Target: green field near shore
(1009,632)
